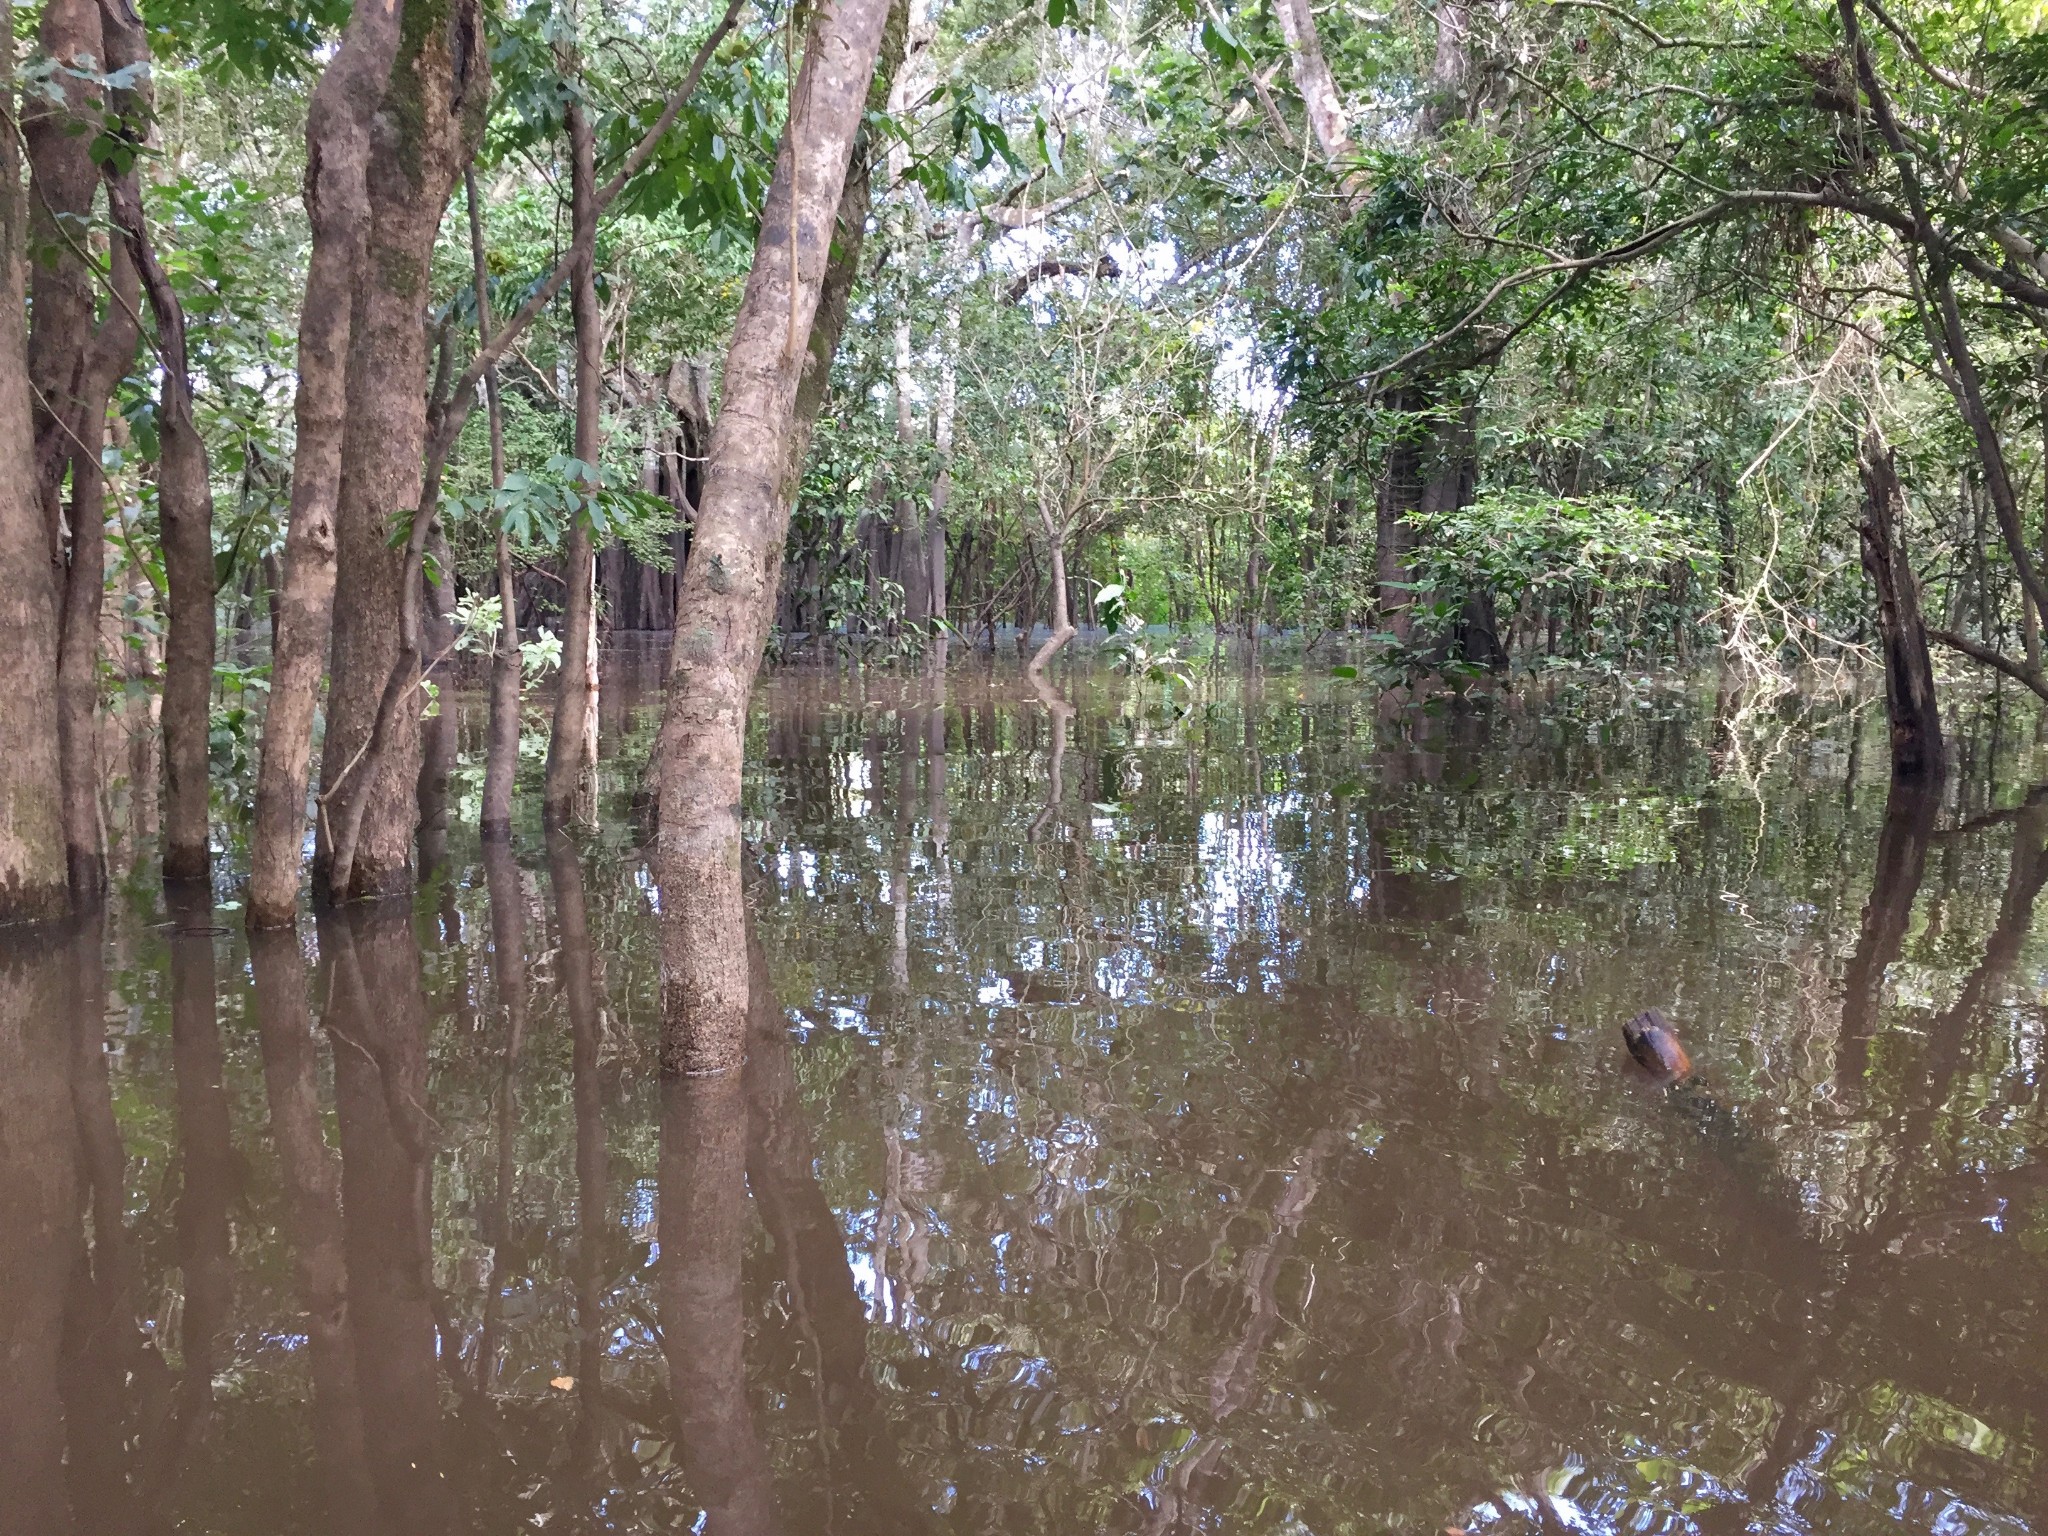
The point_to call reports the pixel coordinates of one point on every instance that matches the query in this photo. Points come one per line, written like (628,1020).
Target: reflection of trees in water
(1254,1140)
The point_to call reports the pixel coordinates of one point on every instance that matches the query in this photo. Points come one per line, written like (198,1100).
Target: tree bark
(423,134)
(338,209)
(913,559)
(501,752)
(73,365)
(727,593)
(111,353)
(575,700)
(184,493)
(1910,704)
(1312,78)
(34,883)
(1062,617)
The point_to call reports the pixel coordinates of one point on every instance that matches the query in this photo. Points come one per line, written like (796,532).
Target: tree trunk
(422,135)
(913,559)
(184,493)
(34,882)
(338,209)
(1062,618)
(111,354)
(73,365)
(1312,78)
(1908,672)
(501,751)
(727,592)
(576,700)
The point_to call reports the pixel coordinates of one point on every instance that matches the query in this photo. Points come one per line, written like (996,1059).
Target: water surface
(1161,1119)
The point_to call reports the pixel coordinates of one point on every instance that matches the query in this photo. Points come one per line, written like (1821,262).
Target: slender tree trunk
(184,491)
(422,135)
(1910,703)
(913,558)
(110,355)
(1062,617)
(576,701)
(727,593)
(338,208)
(501,752)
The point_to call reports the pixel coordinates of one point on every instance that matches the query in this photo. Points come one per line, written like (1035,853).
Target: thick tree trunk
(338,208)
(58,133)
(727,594)
(575,700)
(73,365)
(1910,703)
(422,135)
(34,882)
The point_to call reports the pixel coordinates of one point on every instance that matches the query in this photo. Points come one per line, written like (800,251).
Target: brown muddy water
(1153,1122)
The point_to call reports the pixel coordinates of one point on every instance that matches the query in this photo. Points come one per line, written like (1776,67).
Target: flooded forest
(1131,766)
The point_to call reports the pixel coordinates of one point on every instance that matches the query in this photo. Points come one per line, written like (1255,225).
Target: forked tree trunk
(727,594)
(338,209)
(422,135)
(1909,697)
(1062,617)
(575,701)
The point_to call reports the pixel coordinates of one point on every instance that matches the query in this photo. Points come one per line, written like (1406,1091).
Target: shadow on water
(1159,1115)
